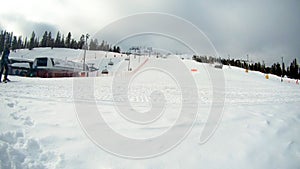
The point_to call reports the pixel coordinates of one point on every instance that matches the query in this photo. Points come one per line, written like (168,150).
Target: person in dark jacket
(4,64)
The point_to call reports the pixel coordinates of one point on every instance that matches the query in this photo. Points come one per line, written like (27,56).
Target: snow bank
(19,151)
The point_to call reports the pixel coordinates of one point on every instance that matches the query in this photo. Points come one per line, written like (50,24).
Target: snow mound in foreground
(18,151)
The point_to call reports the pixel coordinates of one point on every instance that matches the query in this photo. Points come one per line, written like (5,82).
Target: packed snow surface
(39,128)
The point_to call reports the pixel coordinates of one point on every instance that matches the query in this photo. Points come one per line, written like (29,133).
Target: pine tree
(32,41)
(68,40)
(118,50)
(57,40)
(50,41)
(294,69)
(36,42)
(93,44)
(25,43)
(20,43)
(81,42)
(62,43)
(44,40)
(10,38)
(96,44)
(14,44)
(102,46)
(5,40)
(74,44)
(1,41)
(283,69)
(278,69)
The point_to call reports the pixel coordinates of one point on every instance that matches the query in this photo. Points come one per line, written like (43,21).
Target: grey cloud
(266,30)
(253,27)
(26,26)
(40,28)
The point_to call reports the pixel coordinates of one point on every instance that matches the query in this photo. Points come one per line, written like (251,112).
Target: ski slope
(99,59)
(260,126)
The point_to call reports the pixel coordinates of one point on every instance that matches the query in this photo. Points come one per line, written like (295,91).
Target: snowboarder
(4,64)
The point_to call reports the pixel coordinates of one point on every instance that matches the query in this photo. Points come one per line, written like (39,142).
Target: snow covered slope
(259,129)
(99,59)
(61,53)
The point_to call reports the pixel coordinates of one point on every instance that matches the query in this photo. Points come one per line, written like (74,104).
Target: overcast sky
(263,29)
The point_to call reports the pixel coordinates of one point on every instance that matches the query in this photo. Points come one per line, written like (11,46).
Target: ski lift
(104,71)
(110,63)
(218,65)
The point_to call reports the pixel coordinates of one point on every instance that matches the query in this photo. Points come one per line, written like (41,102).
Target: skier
(4,64)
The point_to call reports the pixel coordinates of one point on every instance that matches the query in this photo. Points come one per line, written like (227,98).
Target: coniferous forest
(53,41)
(279,69)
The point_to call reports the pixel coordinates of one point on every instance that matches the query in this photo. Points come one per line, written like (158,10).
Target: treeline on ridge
(292,71)
(47,40)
